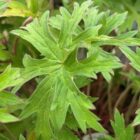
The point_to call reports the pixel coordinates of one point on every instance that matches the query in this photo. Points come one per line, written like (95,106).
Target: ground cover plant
(50,59)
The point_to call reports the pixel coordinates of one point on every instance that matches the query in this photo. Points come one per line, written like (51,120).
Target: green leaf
(121,131)
(70,23)
(86,35)
(116,41)
(34,68)
(10,74)
(33,5)
(4,55)
(137,118)
(93,12)
(3,4)
(82,81)
(6,117)
(40,103)
(57,94)
(113,22)
(15,8)
(132,56)
(135,80)
(39,35)
(67,134)
(83,116)
(8,99)
(99,61)
(21,137)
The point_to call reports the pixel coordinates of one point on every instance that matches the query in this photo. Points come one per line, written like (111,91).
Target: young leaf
(10,74)
(6,117)
(121,131)
(114,21)
(70,23)
(137,118)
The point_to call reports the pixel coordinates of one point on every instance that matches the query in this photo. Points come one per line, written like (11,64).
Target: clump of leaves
(58,39)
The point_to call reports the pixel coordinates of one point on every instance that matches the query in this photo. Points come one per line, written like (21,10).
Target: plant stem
(27,21)
(90,134)
(122,96)
(130,108)
(109,100)
(51,3)
(88,90)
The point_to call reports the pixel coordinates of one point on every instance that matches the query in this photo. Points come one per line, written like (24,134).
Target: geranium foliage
(57,96)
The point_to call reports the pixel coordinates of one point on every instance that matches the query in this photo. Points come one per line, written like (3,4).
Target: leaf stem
(109,100)
(122,96)
(27,21)
(130,108)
